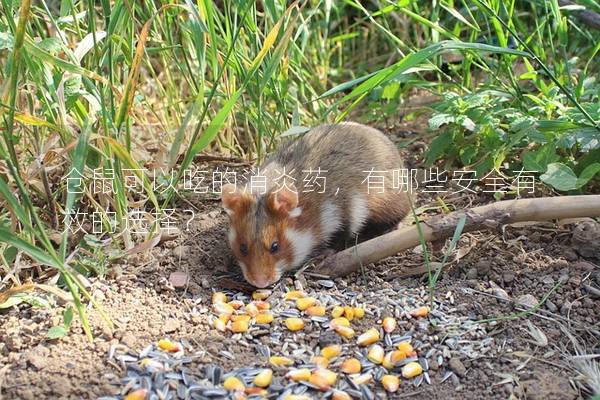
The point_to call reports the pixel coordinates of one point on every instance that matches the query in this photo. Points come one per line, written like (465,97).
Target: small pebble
(457,367)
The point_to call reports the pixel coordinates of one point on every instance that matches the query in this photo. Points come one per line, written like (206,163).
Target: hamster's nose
(260,283)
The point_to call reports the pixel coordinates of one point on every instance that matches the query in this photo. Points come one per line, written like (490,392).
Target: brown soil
(537,260)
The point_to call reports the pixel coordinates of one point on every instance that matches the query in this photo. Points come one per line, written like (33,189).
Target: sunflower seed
(418,381)
(427,378)
(447,375)
(326,283)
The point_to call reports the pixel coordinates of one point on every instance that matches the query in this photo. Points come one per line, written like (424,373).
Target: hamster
(279,224)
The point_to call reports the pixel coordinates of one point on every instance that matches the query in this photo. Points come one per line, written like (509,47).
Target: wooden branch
(588,17)
(479,218)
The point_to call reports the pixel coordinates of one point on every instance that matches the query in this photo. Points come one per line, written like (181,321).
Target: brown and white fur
(280,229)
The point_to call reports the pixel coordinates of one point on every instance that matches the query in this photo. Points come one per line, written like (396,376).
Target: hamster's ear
(284,201)
(235,201)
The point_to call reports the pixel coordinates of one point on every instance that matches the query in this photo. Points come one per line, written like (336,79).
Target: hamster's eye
(274,247)
(244,249)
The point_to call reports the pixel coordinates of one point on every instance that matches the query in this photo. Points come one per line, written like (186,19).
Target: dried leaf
(537,334)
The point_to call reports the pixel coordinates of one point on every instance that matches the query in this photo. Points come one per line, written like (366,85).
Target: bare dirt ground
(494,276)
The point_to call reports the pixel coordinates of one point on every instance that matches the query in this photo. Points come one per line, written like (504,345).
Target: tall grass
(133,90)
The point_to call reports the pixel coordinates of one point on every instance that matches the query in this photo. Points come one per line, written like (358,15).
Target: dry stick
(479,218)
(588,17)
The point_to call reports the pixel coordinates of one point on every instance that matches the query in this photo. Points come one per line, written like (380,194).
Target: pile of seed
(320,345)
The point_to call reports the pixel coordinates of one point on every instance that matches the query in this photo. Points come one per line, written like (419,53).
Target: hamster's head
(257,231)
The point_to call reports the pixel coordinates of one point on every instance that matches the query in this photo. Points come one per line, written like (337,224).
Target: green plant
(58,331)
(80,109)
(487,129)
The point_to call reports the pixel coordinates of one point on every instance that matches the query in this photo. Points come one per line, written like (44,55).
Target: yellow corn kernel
(337,311)
(264,377)
(406,348)
(240,326)
(261,294)
(320,361)
(297,397)
(225,317)
(329,375)
(332,351)
(240,317)
(391,383)
(340,395)
(256,391)
(252,310)
(281,361)
(219,325)
(397,355)
(369,337)
(389,324)
(359,312)
(219,297)
(392,358)
(294,324)
(236,304)
(340,321)
(345,332)
(234,384)
(294,295)
(420,312)
(167,345)
(315,311)
(263,318)
(349,313)
(222,308)
(319,381)
(351,366)
(152,364)
(139,394)
(301,374)
(305,302)
(363,379)
(412,369)
(387,361)
(262,305)
(376,354)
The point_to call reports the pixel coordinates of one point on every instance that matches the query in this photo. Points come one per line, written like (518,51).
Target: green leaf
(51,45)
(68,317)
(391,90)
(10,254)
(34,50)
(78,157)
(32,251)
(587,174)
(6,41)
(467,123)
(438,147)
(72,86)
(587,138)
(347,85)
(560,177)
(56,332)
(538,160)
(437,120)
(467,153)
(412,60)
(36,301)
(13,301)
